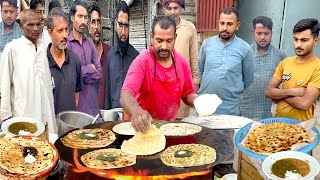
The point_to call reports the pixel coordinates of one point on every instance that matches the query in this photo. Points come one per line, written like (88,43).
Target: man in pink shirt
(157,79)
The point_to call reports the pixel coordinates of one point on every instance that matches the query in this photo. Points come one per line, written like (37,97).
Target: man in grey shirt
(8,27)
(266,58)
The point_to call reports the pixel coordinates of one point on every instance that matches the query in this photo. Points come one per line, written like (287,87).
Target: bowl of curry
(290,165)
(22,126)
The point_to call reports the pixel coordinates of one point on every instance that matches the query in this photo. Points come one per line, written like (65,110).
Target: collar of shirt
(256,51)
(71,37)
(230,41)
(52,62)
(3,32)
(128,53)
(182,23)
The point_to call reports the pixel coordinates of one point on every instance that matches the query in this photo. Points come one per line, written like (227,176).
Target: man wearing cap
(186,43)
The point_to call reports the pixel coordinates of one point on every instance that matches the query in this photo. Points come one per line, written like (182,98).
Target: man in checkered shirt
(266,58)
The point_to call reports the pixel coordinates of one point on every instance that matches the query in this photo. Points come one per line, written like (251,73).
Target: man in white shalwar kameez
(26,89)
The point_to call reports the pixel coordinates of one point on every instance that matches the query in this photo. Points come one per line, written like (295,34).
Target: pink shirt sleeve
(135,76)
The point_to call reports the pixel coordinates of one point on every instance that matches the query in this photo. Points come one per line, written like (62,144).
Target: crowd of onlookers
(47,68)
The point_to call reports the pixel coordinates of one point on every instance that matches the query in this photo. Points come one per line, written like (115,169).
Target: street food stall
(187,148)
(150,167)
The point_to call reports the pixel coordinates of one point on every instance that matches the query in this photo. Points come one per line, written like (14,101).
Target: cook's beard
(123,46)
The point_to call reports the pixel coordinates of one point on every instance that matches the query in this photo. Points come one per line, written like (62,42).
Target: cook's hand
(141,120)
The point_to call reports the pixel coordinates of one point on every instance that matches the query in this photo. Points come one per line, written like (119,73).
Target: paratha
(124,129)
(270,138)
(26,157)
(187,155)
(180,129)
(148,143)
(108,159)
(89,138)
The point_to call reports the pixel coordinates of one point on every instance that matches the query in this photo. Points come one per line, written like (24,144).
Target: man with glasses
(9,28)
(90,66)
(120,57)
(95,30)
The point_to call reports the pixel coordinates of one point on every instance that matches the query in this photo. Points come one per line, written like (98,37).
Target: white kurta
(26,88)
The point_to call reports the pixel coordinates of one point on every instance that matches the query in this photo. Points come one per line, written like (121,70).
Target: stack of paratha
(148,143)
(180,129)
(26,157)
(108,159)
(88,138)
(270,138)
(187,155)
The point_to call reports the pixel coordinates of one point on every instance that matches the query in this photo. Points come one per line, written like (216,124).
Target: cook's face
(80,19)
(59,33)
(228,25)
(304,42)
(122,26)
(8,14)
(163,41)
(42,13)
(262,35)
(95,28)
(174,10)
(32,27)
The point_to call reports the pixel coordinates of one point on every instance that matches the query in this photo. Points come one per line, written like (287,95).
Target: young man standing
(299,75)
(226,64)
(90,65)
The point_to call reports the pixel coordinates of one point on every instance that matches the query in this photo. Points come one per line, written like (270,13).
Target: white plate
(5,125)
(219,121)
(268,162)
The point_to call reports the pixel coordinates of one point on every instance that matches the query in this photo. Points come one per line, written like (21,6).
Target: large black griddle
(220,140)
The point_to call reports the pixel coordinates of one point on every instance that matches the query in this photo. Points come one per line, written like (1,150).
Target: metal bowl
(68,120)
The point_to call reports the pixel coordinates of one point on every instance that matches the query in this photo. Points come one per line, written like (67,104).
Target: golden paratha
(88,138)
(270,138)
(180,129)
(187,155)
(26,157)
(124,129)
(108,159)
(148,143)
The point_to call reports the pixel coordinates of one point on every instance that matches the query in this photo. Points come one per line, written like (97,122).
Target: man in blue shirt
(9,29)
(266,58)
(120,58)
(226,64)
